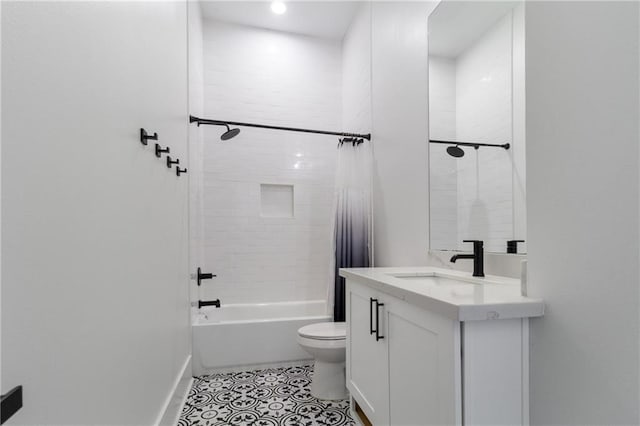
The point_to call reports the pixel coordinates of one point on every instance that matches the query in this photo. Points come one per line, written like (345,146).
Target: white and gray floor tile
(268,397)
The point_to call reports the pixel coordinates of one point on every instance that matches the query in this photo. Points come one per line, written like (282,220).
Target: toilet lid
(324,331)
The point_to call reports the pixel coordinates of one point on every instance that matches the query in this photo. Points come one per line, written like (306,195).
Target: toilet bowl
(326,342)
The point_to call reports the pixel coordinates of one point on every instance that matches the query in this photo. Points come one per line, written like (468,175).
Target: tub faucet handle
(203,276)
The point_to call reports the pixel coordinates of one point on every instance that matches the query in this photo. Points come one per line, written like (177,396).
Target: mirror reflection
(476,126)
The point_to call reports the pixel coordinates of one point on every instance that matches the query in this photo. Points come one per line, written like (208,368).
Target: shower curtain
(353,217)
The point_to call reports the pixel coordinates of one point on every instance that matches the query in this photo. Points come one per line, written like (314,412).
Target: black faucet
(215,303)
(512,246)
(477,256)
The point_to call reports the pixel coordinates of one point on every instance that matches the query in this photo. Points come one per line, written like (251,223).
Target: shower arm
(476,145)
(200,121)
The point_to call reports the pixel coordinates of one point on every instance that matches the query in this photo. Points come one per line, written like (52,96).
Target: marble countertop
(454,294)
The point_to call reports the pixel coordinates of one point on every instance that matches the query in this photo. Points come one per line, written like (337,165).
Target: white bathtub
(249,334)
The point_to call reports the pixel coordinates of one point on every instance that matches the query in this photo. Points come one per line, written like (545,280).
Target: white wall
(582,107)
(94,243)
(400,109)
(196,145)
(356,72)
(268,77)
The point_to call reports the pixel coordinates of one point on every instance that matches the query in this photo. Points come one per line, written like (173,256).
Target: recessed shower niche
(476,125)
(276,200)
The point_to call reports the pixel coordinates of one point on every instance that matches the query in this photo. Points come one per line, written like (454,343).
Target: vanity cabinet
(427,369)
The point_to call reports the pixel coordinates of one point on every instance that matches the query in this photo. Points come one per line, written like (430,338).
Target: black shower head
(455,151)
(230,133)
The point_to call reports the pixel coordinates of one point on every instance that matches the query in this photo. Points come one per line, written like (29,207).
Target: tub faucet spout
(215,303)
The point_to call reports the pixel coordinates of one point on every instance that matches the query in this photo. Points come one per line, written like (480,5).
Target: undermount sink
(431,279)
(444,277)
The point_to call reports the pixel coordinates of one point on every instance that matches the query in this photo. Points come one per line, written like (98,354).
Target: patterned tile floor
(273,396)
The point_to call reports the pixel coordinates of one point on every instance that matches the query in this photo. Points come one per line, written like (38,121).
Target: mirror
(476,108)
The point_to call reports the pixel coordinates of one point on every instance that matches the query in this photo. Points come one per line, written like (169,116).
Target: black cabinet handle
(378,336)
(371,300)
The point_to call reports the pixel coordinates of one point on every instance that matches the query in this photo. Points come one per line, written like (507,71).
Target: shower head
(455,151)
(230,133)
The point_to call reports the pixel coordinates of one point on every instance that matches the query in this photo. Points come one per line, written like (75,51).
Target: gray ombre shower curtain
(353,217)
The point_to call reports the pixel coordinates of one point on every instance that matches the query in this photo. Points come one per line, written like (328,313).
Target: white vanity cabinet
(426,368)
(407,376)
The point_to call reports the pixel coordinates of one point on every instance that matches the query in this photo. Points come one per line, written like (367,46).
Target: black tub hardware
(512,246)
(160,150)
(10,402)
(180,171)
(144,137)
(233,132)
(230,133)
(477,256)
(203,276)
(171,162)
(378,335)
(456,151)
(215,303)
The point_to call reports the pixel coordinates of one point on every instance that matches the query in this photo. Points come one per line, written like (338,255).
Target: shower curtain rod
(476,145)
(200,121)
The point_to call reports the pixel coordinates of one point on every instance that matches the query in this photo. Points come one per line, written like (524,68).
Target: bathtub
(249,334)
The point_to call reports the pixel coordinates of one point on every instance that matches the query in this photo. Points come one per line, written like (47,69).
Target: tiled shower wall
(268,77)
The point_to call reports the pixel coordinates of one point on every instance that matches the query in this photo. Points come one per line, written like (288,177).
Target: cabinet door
(424,366)
(367,378)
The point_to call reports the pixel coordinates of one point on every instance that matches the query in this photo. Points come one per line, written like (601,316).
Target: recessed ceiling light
(278,7)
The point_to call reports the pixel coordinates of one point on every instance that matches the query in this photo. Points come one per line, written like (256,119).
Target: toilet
(326,342)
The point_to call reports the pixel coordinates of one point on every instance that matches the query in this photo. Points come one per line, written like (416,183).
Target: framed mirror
(477,171)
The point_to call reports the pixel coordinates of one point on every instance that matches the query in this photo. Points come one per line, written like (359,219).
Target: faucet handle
(512,246)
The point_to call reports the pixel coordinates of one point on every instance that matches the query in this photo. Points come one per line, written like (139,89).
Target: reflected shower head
(230,133)
(455,151)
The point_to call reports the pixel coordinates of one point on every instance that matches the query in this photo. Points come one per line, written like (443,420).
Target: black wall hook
(160,151)
(171,162)
(144,137)
(179,170)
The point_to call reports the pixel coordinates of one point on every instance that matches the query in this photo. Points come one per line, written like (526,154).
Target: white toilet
(326,341)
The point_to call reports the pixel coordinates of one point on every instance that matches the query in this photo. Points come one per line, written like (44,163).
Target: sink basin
(431,279)
(444,277)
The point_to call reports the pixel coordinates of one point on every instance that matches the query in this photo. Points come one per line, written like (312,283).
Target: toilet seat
(324,331)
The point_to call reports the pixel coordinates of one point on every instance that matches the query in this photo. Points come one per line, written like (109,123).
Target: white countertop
(454,294)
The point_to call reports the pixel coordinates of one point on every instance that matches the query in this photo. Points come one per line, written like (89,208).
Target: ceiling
(327,19)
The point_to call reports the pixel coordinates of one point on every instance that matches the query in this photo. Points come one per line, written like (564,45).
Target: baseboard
(175,401)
